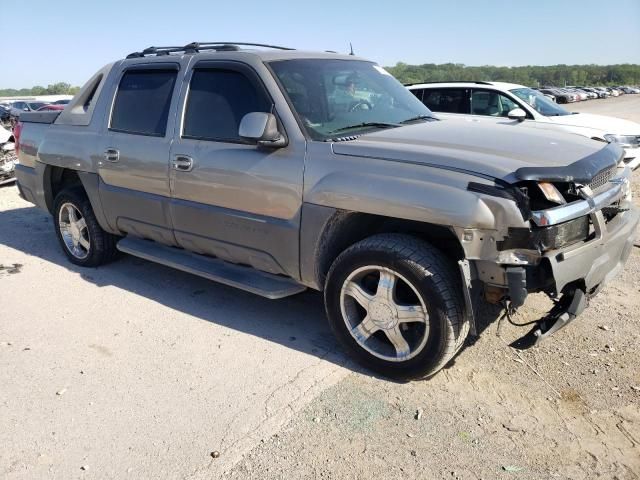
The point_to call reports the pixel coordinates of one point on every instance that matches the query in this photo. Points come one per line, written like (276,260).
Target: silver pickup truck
(273,170)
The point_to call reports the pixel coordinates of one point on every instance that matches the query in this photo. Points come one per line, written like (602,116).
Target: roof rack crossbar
(478,82)
(195,47)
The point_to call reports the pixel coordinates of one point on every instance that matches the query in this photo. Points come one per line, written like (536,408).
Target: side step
(244,278)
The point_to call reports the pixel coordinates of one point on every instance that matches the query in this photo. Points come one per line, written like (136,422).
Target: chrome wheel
(74,231)
(384,313)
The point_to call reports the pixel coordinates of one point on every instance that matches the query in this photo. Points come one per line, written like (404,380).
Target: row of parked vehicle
(10,111)
(578,94)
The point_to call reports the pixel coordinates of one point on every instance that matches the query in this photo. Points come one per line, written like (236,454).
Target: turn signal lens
(551,193)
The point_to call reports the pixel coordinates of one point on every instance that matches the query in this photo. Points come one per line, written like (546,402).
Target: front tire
(395,303)
(82,239)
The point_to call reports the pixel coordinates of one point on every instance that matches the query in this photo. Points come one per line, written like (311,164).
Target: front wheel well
(348,228)
(55,180)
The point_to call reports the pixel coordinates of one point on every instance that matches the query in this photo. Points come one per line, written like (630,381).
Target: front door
(229,198)
(134,168)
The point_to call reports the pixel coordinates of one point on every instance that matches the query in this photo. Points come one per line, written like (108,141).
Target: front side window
(491,103)
(341,97)
(447,100)
(218,99)
(543,105)
(143,101)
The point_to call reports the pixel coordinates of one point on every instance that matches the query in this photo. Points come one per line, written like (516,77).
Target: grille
(602,178)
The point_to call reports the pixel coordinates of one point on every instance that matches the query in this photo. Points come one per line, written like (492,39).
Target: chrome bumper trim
(580,208)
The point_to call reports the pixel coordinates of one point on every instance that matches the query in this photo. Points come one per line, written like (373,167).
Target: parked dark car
(5,115)
(25,106)
(561,97)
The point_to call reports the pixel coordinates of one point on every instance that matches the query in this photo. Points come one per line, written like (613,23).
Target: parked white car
(512,103)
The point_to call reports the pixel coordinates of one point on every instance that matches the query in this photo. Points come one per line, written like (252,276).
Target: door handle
(111,155)
(183,163)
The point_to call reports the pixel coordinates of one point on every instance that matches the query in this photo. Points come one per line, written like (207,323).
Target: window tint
(89,98)
(494,104)
(448,100)
(218,99)
(417,92)
(142,102)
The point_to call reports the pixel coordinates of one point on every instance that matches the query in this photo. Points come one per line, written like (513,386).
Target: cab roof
(263,51)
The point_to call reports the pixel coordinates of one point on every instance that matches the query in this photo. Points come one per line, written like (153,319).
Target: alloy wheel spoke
(397,340)
(84,242)
(386,286)
(81,224)
(71,212)
(364,329)
(411,313)
(356,292)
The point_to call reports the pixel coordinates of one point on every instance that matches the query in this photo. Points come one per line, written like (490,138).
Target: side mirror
(25,109)
(263,129)
(517,114)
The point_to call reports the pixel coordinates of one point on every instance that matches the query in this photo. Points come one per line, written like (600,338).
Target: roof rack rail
(479,82)
(195,47)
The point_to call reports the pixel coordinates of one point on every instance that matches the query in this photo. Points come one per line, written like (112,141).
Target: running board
(245,278)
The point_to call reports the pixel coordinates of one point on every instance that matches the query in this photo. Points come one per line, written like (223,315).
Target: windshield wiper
(364,125)
(418,117)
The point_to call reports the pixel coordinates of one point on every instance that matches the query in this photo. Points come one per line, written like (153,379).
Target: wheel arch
(55,179)
(327,232)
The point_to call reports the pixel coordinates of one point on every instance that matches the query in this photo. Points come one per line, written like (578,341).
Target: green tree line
(531,75)
(60,88)
(557,75)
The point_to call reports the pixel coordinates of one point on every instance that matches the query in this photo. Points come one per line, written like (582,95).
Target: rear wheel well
(348,228)
(55,180)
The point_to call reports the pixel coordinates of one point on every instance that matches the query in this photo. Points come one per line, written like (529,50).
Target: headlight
(623,140)
(551,193)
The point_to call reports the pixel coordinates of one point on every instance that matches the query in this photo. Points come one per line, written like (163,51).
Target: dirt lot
(136,371)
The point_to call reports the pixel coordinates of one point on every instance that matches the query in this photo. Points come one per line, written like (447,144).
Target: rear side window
(417,92)
(447,100)
(218,99)
(142,102)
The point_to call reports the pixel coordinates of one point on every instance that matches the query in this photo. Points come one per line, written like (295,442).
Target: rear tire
(82,239)
(395,304)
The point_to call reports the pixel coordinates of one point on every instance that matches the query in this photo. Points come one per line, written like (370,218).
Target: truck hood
(603,123)
(481,149)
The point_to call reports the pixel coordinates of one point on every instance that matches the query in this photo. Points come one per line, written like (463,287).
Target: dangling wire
(509,311)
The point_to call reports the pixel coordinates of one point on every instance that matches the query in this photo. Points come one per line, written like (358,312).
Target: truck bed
(39,117)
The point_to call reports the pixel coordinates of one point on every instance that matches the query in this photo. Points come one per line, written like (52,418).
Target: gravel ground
(569,409)
(137,371)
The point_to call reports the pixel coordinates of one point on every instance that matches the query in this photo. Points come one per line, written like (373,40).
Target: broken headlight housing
(629,141)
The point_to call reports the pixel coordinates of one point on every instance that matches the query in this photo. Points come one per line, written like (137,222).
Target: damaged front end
(8,161)
(576,236)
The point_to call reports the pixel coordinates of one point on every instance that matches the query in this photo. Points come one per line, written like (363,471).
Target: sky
(68,40)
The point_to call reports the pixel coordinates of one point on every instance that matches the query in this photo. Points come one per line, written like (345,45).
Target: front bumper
(597,261)
(632,157)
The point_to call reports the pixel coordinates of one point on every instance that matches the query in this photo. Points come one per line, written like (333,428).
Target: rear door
(447,100)
(134,168)
(230,198)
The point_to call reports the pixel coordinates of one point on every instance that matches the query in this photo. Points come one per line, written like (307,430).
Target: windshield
(543,105)
(335,98)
